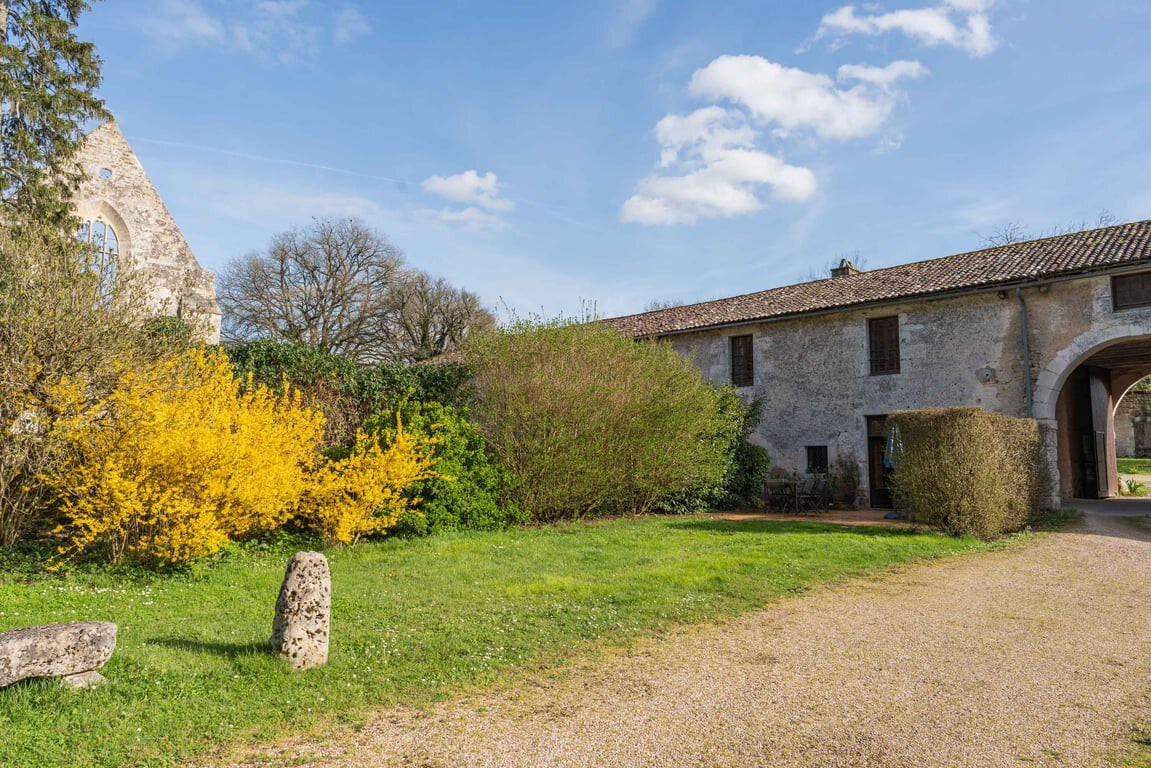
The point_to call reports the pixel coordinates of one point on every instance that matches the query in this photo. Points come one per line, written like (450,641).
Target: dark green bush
(592,423)
(474,488)
(347,393)
(845,479)
(969,471)
(748,463)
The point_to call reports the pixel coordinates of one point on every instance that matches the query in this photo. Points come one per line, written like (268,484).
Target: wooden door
(1103,429)
(878,473)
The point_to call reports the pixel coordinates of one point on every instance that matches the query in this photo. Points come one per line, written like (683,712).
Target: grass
(1135,466)
(412,621)
(1054,519)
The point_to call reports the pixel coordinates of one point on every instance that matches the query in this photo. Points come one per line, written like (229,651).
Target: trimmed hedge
(968,470)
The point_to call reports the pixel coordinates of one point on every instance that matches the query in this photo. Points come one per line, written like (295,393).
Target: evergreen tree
(48,79)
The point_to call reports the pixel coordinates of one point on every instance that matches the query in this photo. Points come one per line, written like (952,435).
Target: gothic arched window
(105,249)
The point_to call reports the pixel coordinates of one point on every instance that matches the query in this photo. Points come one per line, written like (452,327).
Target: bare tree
(657,304)
(1016,232)
(326,285)
(430,316)
(343,287)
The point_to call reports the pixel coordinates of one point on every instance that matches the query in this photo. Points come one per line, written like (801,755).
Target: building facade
(1056,329)
(123,216)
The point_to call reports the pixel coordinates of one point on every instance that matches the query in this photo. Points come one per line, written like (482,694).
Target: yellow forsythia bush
(363,494)
(180,459)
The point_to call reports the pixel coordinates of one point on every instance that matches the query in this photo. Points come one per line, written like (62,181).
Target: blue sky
(543,154)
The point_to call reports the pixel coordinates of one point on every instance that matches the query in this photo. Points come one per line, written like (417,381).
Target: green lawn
(412,621)
(1135,466)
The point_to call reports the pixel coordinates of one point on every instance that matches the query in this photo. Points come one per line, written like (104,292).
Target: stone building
(1058,329)
(123,215)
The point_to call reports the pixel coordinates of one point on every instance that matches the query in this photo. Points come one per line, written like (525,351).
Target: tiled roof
(1126,244)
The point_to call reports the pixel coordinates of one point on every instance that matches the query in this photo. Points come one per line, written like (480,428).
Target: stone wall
(119,193)
(1133,426)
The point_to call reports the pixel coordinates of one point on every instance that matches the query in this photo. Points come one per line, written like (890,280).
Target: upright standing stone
(303,612)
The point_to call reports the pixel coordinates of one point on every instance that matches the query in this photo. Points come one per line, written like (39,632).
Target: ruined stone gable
(122,211)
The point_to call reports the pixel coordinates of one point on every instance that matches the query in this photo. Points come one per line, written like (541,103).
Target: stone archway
(1075,397)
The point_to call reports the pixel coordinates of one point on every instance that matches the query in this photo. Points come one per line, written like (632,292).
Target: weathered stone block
(83,680)
(55,650)
(303,612)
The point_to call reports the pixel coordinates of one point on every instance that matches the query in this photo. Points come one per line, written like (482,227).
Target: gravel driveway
(1036,656)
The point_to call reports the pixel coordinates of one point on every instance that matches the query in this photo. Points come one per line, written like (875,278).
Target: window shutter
(883,342)
(1130,291)
(742,361)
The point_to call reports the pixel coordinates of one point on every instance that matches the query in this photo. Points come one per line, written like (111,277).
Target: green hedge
(969,471)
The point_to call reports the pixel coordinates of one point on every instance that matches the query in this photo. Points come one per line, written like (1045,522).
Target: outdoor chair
(814,495)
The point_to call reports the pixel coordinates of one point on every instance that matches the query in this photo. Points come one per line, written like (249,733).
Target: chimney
(844,269)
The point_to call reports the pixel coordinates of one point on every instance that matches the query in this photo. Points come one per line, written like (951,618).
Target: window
(742,362)
(883,342)
(1130,291)
(817,459)
(105,249)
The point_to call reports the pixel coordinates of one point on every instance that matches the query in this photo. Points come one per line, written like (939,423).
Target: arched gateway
(1076,396)
(1056,328)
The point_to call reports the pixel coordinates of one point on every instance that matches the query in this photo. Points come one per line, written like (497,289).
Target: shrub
(590,422)
(367,492)
(470,489)
(177,461)
(969,471)
(845,480)
(346,392)
(748,463)
(64,316)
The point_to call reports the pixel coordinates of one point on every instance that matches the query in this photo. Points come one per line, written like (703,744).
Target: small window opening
(817,460)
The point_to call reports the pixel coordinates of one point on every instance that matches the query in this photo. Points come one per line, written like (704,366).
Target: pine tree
(48,79)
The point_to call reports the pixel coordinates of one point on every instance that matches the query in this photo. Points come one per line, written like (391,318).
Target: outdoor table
(782,490)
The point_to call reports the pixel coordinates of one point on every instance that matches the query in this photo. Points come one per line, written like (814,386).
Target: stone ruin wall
(119,193)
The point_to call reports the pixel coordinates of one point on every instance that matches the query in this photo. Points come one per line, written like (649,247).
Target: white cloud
(470,187)
(472,219)
(628,17)
(480,195)
(792,99)
(274,30)
(885,77)
(711,162)
(960,23)
(350,23)
(182,20)
(720,172)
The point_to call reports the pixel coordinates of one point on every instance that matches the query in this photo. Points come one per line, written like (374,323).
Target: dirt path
(1037,656)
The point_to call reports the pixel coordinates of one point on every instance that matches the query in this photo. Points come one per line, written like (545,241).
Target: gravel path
(1037,656)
